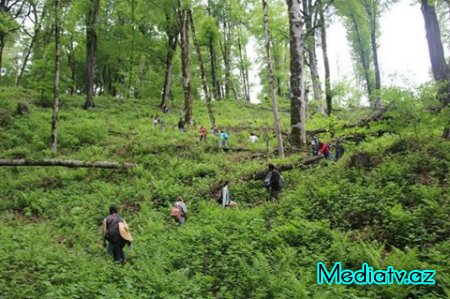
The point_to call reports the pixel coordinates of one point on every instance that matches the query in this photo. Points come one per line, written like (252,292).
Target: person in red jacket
(203,133)
(324,150)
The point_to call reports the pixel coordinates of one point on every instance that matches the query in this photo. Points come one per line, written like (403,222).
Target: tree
(298,133)
(91,49)
(309,12)
(54,134)
(202,73)
(324,46)
(185,61)
(439,66)
(172,32)
(272,81)
(10,12)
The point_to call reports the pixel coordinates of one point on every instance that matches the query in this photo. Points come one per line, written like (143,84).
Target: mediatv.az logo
(367,276)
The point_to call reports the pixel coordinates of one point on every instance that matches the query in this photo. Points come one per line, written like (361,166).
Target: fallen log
(259,175)
(65,163)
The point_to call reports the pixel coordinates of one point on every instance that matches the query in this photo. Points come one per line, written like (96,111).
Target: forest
(136,103)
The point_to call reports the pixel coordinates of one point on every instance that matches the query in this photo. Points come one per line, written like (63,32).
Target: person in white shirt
(253,138)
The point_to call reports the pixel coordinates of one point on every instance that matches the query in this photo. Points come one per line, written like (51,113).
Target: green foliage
(393,212)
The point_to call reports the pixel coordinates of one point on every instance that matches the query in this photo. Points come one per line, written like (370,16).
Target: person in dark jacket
(116,232)
(273,182)
(339,150)
(181,125)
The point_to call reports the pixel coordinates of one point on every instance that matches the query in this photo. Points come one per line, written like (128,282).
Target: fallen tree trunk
(259,175)
(65,163)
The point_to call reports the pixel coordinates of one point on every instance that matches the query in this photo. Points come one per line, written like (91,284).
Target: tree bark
(271,81)
(91,49)
(65,163)
(323,36)
(371,10)
(72,66)
(185,64)
(439,66)
(215,81)
(172,47)
(243,70)
(363,56)
(202,73)
(54,133)
(312,56)
(298,133)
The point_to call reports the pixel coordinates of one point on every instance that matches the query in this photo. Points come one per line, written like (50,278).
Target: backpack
(176,213)
(225,136)
(218,195)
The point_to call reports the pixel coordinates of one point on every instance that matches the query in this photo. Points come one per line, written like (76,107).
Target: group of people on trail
(116,234)
(319,148)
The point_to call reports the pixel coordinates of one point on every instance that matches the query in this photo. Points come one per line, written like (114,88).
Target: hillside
(387,203)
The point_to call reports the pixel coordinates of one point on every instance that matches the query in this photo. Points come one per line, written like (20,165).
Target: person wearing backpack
(315,146)
(224,140)
(203,133)
(325,150)
(181,125)
(273,182)
(339,150)
(116,232)
(179,211)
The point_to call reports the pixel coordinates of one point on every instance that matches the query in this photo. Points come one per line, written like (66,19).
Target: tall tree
(298,133)
(91,49)
(309,12)
(439,66)
(272,81)
(326,62)
(54,134)
(172,32)
(10,12)
(185,61)
(202,73)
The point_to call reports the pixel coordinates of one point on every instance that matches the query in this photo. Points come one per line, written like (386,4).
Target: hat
(124,231)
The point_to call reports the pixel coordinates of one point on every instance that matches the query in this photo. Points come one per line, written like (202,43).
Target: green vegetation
(394,211)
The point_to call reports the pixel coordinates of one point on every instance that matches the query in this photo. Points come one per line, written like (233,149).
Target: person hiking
(253,138)
(179,211)
(203,133)
(155,121)
(116,232)
(165,108)
(315,146)
(273,182)
(226,197)
(324,150)
(224,140)
(339,150)
(181,125)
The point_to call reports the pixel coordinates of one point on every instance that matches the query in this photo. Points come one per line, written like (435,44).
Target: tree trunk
(363,56)
(202,73)
(271,81)
(298,134)
(185,61)
(215,82)
(323,36)
(439,66)
(54,134)
(91,48)
(65,163)
(172,47)
(371,10)
(226,57)
(72,66)
(312,56)
(244,73)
